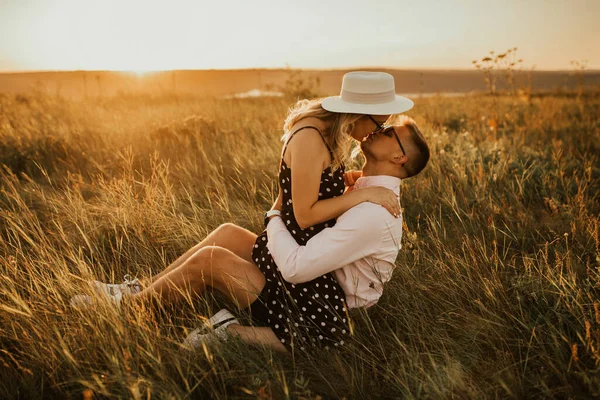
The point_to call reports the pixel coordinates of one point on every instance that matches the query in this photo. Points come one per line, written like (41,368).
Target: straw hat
(366,92)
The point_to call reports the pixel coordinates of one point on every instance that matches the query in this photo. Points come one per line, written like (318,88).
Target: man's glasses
(387,131)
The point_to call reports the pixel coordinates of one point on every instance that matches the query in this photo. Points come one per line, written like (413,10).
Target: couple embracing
(331,237)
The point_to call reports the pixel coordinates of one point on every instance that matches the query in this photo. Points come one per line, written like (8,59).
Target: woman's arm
(308,156)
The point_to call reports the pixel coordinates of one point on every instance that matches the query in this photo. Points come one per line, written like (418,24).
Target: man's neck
(378,177)
(370,169)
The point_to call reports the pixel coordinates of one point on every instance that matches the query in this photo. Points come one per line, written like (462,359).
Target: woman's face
(364,126)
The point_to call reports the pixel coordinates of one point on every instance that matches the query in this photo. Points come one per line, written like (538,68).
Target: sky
(223,34)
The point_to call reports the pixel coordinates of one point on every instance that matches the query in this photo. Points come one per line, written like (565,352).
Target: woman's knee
(225,269)
(202,264)
(235,238)
(228,229)
(206,254)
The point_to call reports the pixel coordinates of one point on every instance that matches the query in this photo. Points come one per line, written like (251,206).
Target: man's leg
(234,238)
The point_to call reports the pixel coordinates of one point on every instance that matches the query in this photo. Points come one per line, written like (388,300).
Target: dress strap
(299,129)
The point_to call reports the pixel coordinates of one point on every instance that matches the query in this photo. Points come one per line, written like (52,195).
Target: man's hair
(418,161)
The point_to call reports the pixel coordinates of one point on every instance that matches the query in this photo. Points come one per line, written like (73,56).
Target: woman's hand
(384,197)
(351,176)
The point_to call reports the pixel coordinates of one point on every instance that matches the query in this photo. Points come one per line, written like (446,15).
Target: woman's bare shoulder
(308,121)
(307,142)
(307,136)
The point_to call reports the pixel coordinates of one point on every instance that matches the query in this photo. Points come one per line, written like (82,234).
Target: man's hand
(276,205)
(278,202)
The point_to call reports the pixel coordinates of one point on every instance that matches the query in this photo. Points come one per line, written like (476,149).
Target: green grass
(496,293)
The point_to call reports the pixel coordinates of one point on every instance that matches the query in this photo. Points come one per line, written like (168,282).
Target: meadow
(496,294)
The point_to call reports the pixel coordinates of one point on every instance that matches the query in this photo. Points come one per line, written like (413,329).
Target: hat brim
(336,104)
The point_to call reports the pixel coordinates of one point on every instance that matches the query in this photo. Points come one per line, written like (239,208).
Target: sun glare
(141,72)
(144,73)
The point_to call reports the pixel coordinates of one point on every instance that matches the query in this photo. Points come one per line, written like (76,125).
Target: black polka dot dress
(311,314)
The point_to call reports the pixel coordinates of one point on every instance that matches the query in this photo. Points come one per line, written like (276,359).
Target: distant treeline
(223,82)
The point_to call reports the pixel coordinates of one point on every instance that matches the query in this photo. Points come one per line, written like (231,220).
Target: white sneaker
(212,330)
(85,301)
(114,292)
(129,286)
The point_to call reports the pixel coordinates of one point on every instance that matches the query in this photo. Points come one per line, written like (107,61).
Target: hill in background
(226,82)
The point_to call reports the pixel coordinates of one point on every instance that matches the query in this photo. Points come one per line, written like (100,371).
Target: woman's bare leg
(236,239)
(238,279)
(257,335)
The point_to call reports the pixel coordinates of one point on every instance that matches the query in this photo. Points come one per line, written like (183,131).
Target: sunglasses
(387,131)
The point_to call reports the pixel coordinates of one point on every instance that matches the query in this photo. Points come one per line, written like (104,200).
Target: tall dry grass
(495,294)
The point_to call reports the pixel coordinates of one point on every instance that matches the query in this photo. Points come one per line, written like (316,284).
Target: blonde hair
(337,136)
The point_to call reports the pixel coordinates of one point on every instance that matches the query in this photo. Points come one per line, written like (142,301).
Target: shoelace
(130,280)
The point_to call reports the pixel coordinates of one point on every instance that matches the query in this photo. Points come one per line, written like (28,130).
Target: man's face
(364,126)
(384,147)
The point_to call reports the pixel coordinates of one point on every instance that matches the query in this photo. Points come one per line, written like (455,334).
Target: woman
(311,178)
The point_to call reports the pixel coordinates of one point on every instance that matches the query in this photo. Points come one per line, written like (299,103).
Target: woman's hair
(337,136)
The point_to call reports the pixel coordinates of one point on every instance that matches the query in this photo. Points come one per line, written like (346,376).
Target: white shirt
(360,249)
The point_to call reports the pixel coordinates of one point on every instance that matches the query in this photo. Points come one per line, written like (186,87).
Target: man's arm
(356,234)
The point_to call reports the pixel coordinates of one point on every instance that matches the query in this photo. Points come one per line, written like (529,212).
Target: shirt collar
(387,181)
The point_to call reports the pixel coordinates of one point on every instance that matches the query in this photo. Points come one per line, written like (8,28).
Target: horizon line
(355,68)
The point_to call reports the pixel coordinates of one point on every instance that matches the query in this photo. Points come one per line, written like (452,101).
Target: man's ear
(399,159)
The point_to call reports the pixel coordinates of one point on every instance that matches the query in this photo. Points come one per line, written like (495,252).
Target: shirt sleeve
(356,234)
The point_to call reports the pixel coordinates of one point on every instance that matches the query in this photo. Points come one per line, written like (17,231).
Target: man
(360,249)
